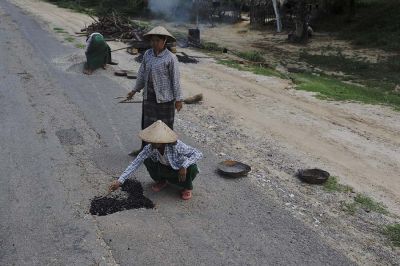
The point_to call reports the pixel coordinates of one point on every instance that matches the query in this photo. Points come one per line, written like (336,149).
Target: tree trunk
(352,8)
(277,16)
(301,32)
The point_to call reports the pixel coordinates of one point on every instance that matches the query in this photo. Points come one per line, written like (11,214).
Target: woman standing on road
(159,78)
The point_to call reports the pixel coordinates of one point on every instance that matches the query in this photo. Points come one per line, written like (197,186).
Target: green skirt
(159,172)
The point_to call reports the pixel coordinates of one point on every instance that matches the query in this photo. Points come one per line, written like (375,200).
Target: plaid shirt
(178,155)
(163,69)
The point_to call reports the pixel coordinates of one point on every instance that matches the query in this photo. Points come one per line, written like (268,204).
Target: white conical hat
(158,132)
(159,30)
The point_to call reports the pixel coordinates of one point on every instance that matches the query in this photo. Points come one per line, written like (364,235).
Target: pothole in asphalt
(135,200)
(69,136)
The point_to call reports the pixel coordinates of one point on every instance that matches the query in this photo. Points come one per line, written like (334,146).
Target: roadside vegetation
(211,46)
(252,56)
(329,87)
(256,69)
(101,7)
(332,88)
(376,24)
(392,231)
(366,203)
(333,185)
(362,202)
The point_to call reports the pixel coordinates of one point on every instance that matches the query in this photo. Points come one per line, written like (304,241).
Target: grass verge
(80,45)
(326,87)
(383,74)
(72,5)
(259,70)
(349,208)
(369,204)
(393,233)
(59,30)
(253,56)
(332,185)
(364,202)
(69,39)
(334,89)
(376,24)
(211,46)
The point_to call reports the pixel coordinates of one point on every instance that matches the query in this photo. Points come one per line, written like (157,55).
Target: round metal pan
(313,176)
(233,169)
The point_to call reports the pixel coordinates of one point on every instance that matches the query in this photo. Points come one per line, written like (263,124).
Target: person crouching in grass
(167,159)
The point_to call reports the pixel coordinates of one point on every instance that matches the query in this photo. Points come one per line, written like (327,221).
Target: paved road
(62,138)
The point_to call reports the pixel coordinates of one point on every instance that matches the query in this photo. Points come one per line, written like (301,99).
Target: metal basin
(231,168)
(313,176)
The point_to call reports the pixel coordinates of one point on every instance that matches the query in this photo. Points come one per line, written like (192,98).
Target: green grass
(393,233)
(211,46)
(332,88)
(253,56)
(73,5)
(383,74)
(364,202)
(376,24)
(349,208)
(69,39)
(259,70)
(335,89)
(144,25)
(332,185)
(370,204)
(80,46)
(59,30)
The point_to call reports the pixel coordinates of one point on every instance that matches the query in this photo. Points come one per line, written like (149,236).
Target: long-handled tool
(190,100)
(126,100)
(122,48)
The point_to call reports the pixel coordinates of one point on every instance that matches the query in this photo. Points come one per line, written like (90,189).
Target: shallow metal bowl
(313,176)
(231,168)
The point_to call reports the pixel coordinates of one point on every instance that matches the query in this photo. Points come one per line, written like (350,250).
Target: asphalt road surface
(62,139)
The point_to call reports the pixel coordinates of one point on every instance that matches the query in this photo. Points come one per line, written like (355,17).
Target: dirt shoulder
(278,130)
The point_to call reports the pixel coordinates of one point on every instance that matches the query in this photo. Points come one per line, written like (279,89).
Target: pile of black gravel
(187,59)
(107,205)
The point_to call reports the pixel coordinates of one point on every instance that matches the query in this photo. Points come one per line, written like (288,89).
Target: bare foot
(88,71)
(104,66)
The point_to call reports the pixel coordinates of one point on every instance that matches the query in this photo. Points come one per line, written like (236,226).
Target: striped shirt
(177,155)
(163,70)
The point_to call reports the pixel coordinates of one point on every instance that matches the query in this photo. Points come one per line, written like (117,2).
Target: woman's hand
(114,185)
(130,95)
(178,105)
(182,174)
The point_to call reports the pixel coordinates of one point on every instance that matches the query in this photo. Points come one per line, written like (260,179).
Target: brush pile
(114,26)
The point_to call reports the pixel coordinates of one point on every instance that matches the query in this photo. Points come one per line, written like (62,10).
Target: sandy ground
(278,130)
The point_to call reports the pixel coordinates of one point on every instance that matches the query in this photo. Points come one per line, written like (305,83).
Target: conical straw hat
(158,132)
(159,30)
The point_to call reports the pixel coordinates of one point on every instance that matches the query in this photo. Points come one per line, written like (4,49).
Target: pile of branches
(113,26)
